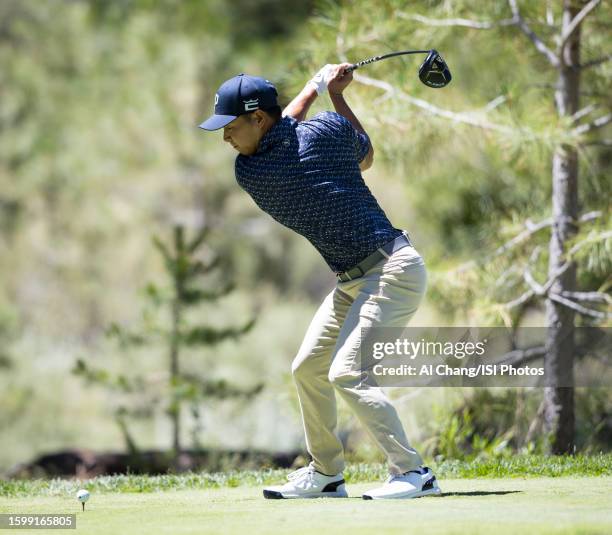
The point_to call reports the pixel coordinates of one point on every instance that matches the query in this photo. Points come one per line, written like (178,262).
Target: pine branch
(161,247)
(217,388)
(492,104)
(537,422)
(531,229)
(198,239)
(575,22)
(193,296)
(505,275)
(103,377)
(517,357)
(539,44)
(210,336)
(127,436)
(599,142)
(550,19)
(464,118)
(597,123)
(599,297)
(595,62)
(583,112)
(578,308)
(544,290)
(199,268)
(222,390)
(598,237)
(478,25)
(520,300)
(125,337)
(519,238)
(529,279)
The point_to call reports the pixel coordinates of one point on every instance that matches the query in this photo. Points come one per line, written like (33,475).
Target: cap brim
(214,122)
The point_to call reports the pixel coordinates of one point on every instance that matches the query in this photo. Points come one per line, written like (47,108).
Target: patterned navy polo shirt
(306,176)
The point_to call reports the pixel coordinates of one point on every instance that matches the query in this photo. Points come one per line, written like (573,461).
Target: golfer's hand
(338,79)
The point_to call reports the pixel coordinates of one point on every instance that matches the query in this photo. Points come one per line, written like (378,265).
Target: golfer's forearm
(299,106)
(342,108)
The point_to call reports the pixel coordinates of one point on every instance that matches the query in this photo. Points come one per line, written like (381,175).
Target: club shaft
(378,58)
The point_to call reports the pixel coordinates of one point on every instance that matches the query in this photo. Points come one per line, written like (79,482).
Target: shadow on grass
(476,493)
(472,493)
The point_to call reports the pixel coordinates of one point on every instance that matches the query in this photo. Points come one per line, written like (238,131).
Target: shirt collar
(273,136)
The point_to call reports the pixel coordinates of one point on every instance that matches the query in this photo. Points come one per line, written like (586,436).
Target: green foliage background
(99,149)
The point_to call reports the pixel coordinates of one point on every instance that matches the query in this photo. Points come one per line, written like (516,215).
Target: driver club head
(434,72)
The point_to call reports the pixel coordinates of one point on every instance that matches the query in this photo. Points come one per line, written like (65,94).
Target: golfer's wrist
(310,91)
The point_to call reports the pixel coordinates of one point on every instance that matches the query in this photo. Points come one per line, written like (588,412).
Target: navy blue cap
(239,95)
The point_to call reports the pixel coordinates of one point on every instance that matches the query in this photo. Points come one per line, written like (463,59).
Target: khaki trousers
(328,361)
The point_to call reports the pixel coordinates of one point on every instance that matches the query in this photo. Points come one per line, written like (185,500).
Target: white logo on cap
(216,98)
(250,105)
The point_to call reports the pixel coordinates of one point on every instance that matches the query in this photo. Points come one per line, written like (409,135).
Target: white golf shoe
(412,484)
(308,483)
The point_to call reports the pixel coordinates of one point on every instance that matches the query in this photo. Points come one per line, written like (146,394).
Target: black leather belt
(370,261)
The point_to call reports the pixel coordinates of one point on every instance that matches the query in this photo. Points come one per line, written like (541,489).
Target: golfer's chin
(245,152)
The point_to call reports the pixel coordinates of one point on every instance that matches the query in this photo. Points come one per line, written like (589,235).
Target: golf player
(306,174)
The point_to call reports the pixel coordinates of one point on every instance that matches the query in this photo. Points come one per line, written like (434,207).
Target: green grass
(510,467)
(535,505)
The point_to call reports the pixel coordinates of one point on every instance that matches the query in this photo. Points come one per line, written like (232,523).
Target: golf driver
(433,72)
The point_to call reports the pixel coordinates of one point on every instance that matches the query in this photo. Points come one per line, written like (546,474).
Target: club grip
(351,68)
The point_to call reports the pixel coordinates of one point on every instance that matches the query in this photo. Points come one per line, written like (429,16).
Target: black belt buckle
(388,248)
(350,278)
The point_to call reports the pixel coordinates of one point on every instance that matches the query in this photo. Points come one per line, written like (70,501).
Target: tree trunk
(559,360)
(174,341)
(174,371)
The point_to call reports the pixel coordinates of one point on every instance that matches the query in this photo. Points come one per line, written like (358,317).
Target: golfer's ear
(258,117)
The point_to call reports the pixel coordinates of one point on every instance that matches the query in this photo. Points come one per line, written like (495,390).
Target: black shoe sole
(427,486)
(273,495)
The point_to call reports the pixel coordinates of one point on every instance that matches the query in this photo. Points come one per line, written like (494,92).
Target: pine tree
(185,291)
